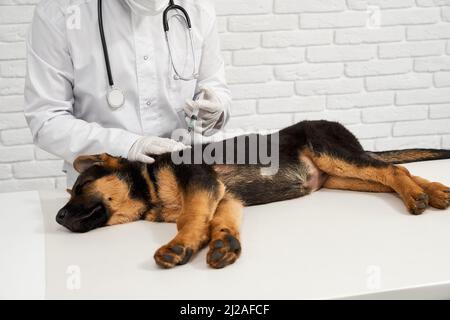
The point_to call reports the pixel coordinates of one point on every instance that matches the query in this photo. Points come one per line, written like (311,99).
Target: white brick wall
(287,60)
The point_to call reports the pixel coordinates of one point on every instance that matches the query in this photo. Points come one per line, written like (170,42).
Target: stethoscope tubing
(115,96)
(104,45)
(172,7)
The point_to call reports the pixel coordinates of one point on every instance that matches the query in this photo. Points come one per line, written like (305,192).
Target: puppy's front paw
(171,255)
(223,250)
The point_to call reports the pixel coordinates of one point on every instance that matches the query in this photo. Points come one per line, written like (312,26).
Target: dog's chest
(168,212)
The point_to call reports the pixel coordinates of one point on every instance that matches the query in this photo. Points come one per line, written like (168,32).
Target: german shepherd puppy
(206,200)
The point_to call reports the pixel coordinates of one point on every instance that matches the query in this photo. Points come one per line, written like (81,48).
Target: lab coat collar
(147,7)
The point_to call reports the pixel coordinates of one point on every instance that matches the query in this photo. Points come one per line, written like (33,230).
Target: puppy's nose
(61,215)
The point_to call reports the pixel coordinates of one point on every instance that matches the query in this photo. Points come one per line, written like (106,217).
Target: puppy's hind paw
(439,195)
(418,203)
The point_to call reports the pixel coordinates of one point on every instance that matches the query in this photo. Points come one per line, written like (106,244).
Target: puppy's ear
(82,163)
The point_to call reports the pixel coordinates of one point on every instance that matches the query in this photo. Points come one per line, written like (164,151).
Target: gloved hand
(153,145)
(210,111)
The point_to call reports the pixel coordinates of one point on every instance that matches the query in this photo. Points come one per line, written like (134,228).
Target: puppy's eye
(79,188)
(85,183)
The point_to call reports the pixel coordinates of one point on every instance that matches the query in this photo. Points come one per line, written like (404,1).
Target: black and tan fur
(206,201)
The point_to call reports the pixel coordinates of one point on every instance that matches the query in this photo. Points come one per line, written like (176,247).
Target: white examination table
(332,244)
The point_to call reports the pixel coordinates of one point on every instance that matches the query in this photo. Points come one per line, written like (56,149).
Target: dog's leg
(225,247)
(395,177)
(193,229)
(439,194)
(355,185)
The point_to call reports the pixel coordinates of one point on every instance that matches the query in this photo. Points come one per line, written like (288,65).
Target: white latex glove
(208,108)
(146,146)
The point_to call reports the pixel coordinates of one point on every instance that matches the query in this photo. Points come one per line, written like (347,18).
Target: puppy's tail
(410,155)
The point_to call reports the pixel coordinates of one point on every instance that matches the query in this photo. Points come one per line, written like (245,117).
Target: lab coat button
(145,57)
(148,102)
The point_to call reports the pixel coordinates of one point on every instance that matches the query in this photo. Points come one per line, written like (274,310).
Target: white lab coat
(66,82)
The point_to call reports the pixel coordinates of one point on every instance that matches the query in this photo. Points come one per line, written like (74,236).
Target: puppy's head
(108,191)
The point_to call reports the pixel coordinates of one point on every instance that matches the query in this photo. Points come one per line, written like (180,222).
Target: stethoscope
(115,96)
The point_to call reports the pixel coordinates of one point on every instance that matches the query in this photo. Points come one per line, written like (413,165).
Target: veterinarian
(127,95)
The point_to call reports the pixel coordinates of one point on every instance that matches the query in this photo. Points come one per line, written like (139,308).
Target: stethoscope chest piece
(116,98)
